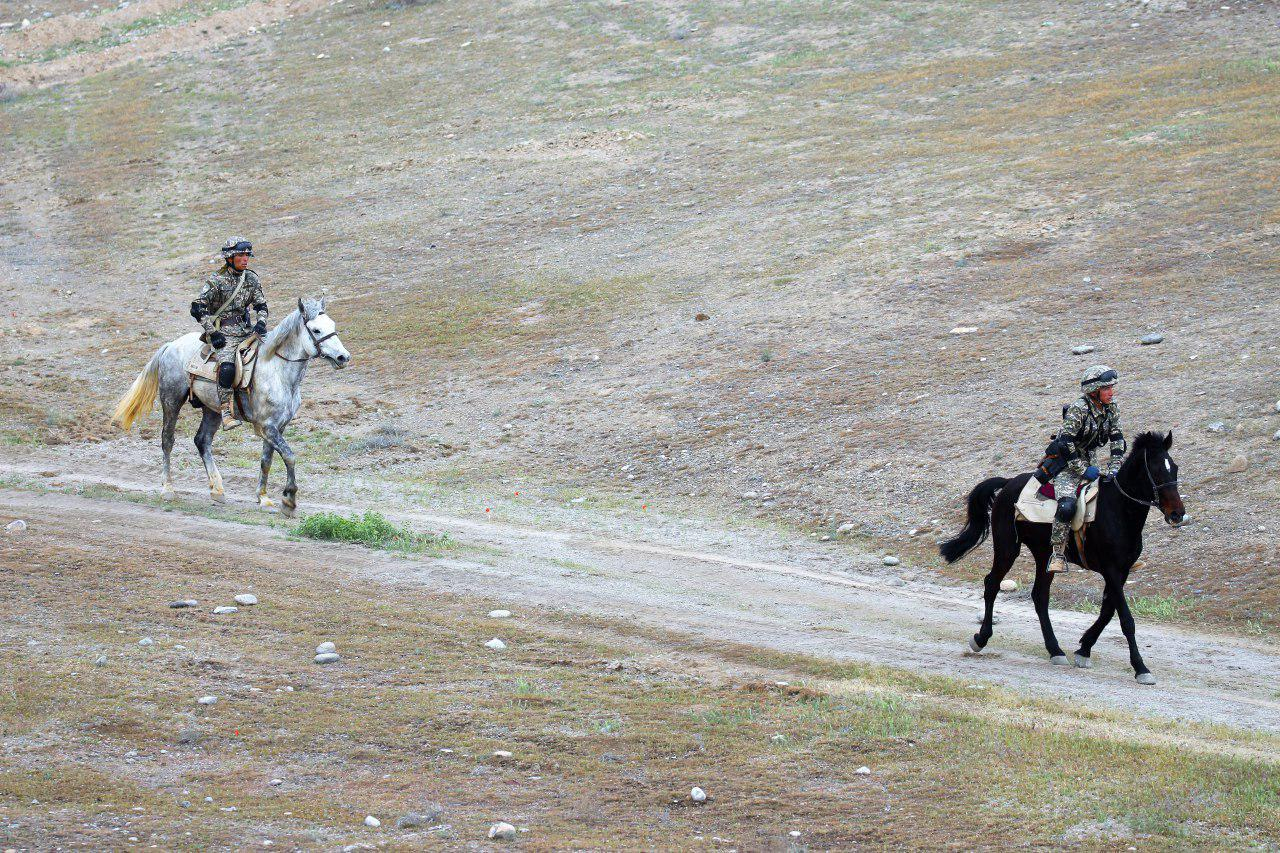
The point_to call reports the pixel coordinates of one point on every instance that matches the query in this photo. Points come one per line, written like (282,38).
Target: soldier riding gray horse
(223,309)
(269,404)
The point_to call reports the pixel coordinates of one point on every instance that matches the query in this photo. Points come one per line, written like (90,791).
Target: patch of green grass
(373,531)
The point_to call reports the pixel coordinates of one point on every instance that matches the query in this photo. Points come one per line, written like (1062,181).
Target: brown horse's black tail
(979,522)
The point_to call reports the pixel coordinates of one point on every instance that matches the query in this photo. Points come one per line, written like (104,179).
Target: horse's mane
(1148,441)
(288,327)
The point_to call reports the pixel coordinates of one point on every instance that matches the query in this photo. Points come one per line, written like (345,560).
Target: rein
(1155,488)
(317,341)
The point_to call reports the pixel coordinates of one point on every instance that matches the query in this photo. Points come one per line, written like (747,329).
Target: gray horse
(269,405)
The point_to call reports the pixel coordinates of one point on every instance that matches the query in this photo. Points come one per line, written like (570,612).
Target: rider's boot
(1058,541)
(229,420)
(1058,563)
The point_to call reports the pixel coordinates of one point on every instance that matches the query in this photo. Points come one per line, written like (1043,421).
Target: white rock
(246,599)
(863,771)
(1278,405)
(845,529)
(891,561)
(751,496)
(208,700)
(325,648)
(100,660)
(275,783)
(1082,349)
(964,330)
(219,611)
(1238,465)
(186,602)
(372,821)
(495,644)
(502,831)
(15,526)
(499,614)
(146,641)
(1276,437)
(1008,585)
(1153,338)
(328,657)
(697,794)
(502,755)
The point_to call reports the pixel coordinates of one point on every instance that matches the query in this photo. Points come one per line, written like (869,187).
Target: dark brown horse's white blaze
(1148,479)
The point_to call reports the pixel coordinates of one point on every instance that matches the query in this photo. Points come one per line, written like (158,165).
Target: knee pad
(227,374)
(1066,509)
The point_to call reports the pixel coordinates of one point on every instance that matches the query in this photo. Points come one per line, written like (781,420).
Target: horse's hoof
(219,497)
(973,645)
(288,511)
(266,502)
(1059,660)
(1146,678)
(1082,661)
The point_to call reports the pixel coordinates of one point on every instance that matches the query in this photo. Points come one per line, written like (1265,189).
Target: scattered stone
(750,496)
(186,804)
(328,657)
(246,599)
(697,795)
(146,641)
(891,561)
(495,644)
(276,783)
(1008,585)
(1082,349)
(1278,405)
(186,602)
(1276,437)
(208,700)
(845,529)
(326,647)
(100,660)
(896,582)
(964,330)
(15,526)
(502,831)
(502,755)
(220,611)
(863,771)
(1217,426)
(499,614)
(701,318)
(824,538)
(372,821)
(189,737)
(1153,338)
(1238,465)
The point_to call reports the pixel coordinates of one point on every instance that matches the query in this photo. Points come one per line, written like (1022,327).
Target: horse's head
(1152,451)
(323,332)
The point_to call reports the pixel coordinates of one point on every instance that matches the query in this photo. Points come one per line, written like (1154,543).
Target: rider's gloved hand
(260,328)
(217,340)
(1091,473)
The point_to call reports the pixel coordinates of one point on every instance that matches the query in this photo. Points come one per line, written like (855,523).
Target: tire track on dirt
(788,607)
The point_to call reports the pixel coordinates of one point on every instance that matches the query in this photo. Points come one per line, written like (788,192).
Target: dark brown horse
(1112,542)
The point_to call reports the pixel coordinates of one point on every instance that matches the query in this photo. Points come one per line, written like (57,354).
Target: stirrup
(1057,565)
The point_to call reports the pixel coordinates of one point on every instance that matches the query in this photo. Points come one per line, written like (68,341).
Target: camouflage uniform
(236,322)
(1086,426)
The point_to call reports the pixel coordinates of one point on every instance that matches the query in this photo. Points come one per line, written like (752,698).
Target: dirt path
(796,604)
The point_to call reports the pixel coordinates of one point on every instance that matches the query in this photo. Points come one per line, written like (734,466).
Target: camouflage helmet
(236,246)
(1098,376)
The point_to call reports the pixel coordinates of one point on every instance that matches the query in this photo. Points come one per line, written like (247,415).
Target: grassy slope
(604,752)
(511,192)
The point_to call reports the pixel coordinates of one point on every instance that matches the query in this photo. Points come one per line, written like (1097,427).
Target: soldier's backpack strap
(244,276)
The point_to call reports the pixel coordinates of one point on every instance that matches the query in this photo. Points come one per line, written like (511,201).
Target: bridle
(306,324)
(1155,487)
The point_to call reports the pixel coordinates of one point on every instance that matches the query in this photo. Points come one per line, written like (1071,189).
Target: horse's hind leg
(264,471)
(209,424)
(167,429)
(1004,539)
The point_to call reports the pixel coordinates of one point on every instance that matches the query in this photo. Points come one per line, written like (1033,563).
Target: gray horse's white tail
(142,394)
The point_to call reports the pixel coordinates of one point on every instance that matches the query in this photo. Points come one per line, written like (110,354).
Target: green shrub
(372,530)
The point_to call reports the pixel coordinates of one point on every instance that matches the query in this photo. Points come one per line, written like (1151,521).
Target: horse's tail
(141,395)
(979,522)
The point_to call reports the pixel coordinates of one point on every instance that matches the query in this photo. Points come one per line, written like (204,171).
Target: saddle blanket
(1034,507)
(203,366)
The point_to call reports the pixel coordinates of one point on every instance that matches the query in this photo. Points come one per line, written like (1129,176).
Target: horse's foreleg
(289,498)
(209,424)
(264,471)
(1090,636)
(1006,546)
(1115,588)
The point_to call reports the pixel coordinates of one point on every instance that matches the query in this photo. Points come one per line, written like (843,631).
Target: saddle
(203,365)
(1034,506)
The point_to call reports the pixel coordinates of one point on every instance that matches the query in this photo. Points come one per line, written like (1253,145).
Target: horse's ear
(323,303)
(1168,440)
(301,310)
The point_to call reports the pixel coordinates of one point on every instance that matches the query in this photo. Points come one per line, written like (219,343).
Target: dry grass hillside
(517,210)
